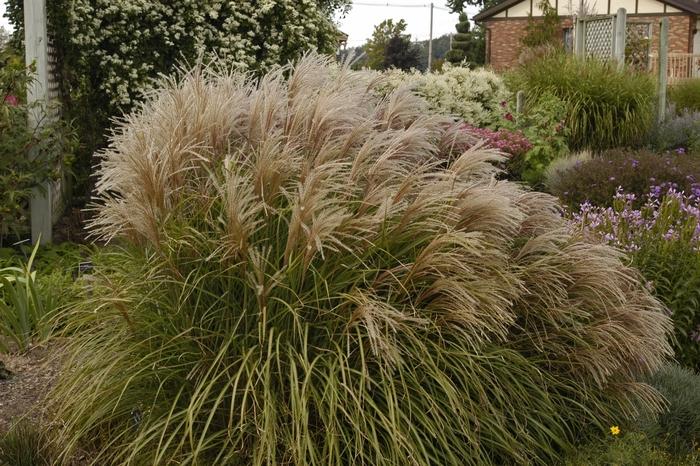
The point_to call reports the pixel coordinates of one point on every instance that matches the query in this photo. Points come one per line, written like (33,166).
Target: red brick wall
(504,36)
(680,32)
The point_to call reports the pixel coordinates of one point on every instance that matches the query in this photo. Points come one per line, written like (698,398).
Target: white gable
(599,7)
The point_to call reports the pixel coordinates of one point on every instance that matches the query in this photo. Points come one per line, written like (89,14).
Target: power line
(400,5)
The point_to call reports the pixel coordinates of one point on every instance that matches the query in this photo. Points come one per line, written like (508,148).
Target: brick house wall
(503,36)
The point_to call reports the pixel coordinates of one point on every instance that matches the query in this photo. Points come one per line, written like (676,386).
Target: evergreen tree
(401,53)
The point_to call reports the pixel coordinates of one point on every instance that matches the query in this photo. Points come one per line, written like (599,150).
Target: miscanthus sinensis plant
(310,274)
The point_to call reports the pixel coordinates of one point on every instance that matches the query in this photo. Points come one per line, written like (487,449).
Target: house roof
(691,6)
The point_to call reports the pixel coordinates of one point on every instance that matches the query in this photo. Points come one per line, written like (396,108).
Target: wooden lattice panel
(600,33)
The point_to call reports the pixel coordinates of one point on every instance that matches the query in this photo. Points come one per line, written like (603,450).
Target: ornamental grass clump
(607,107)
(310,274)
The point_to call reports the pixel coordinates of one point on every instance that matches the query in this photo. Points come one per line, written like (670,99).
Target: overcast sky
(3,20)
(360,22)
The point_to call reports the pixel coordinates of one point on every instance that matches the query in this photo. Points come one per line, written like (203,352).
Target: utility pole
(430,40)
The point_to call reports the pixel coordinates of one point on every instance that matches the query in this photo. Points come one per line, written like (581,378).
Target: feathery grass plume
(311,274)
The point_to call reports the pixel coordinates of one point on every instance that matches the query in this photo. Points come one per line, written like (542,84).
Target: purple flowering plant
(662,238)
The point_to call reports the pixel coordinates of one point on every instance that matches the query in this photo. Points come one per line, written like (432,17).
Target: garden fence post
(663,68)
(36,52)
(580,36)
(620,36)
(519,102)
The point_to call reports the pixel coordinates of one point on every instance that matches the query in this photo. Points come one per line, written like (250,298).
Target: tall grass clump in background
(607,107)
(685,95)
(310,274)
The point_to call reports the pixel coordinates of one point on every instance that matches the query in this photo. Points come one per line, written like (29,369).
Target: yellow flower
(615,430)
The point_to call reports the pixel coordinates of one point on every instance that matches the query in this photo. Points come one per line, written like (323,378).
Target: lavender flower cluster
(667,214)
(668,218)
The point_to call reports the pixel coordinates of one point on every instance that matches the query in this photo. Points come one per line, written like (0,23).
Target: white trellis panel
(602,37)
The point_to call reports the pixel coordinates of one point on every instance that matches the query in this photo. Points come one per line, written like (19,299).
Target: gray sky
(3,20)
(360,22)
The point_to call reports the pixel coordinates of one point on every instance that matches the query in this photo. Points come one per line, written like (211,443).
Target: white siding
(628,5)
(519,10)
(650,6)
(696,41)
(597,7)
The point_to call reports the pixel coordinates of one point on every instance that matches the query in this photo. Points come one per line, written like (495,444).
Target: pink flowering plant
(511,142)
(662,237)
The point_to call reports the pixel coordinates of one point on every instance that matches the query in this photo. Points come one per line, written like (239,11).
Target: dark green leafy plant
(467,45)
(606,107)
(312,274)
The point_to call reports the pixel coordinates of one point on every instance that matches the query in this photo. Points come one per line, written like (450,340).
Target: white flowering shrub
(122,45)
(474,96)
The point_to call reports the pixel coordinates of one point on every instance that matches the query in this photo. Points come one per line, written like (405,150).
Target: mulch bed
(33,375)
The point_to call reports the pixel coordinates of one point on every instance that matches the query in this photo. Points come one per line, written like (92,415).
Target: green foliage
(28,156)
(315,275)
(669,438)
(606,107)
(543,125)
(400,53)
(629,449)
(685,95)
(543,32)
(25,445)
(596,180)
(677,428)
(376,46)
(25,309)
(457,6)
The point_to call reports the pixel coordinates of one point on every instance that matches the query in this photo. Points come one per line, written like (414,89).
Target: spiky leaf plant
(314,275)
